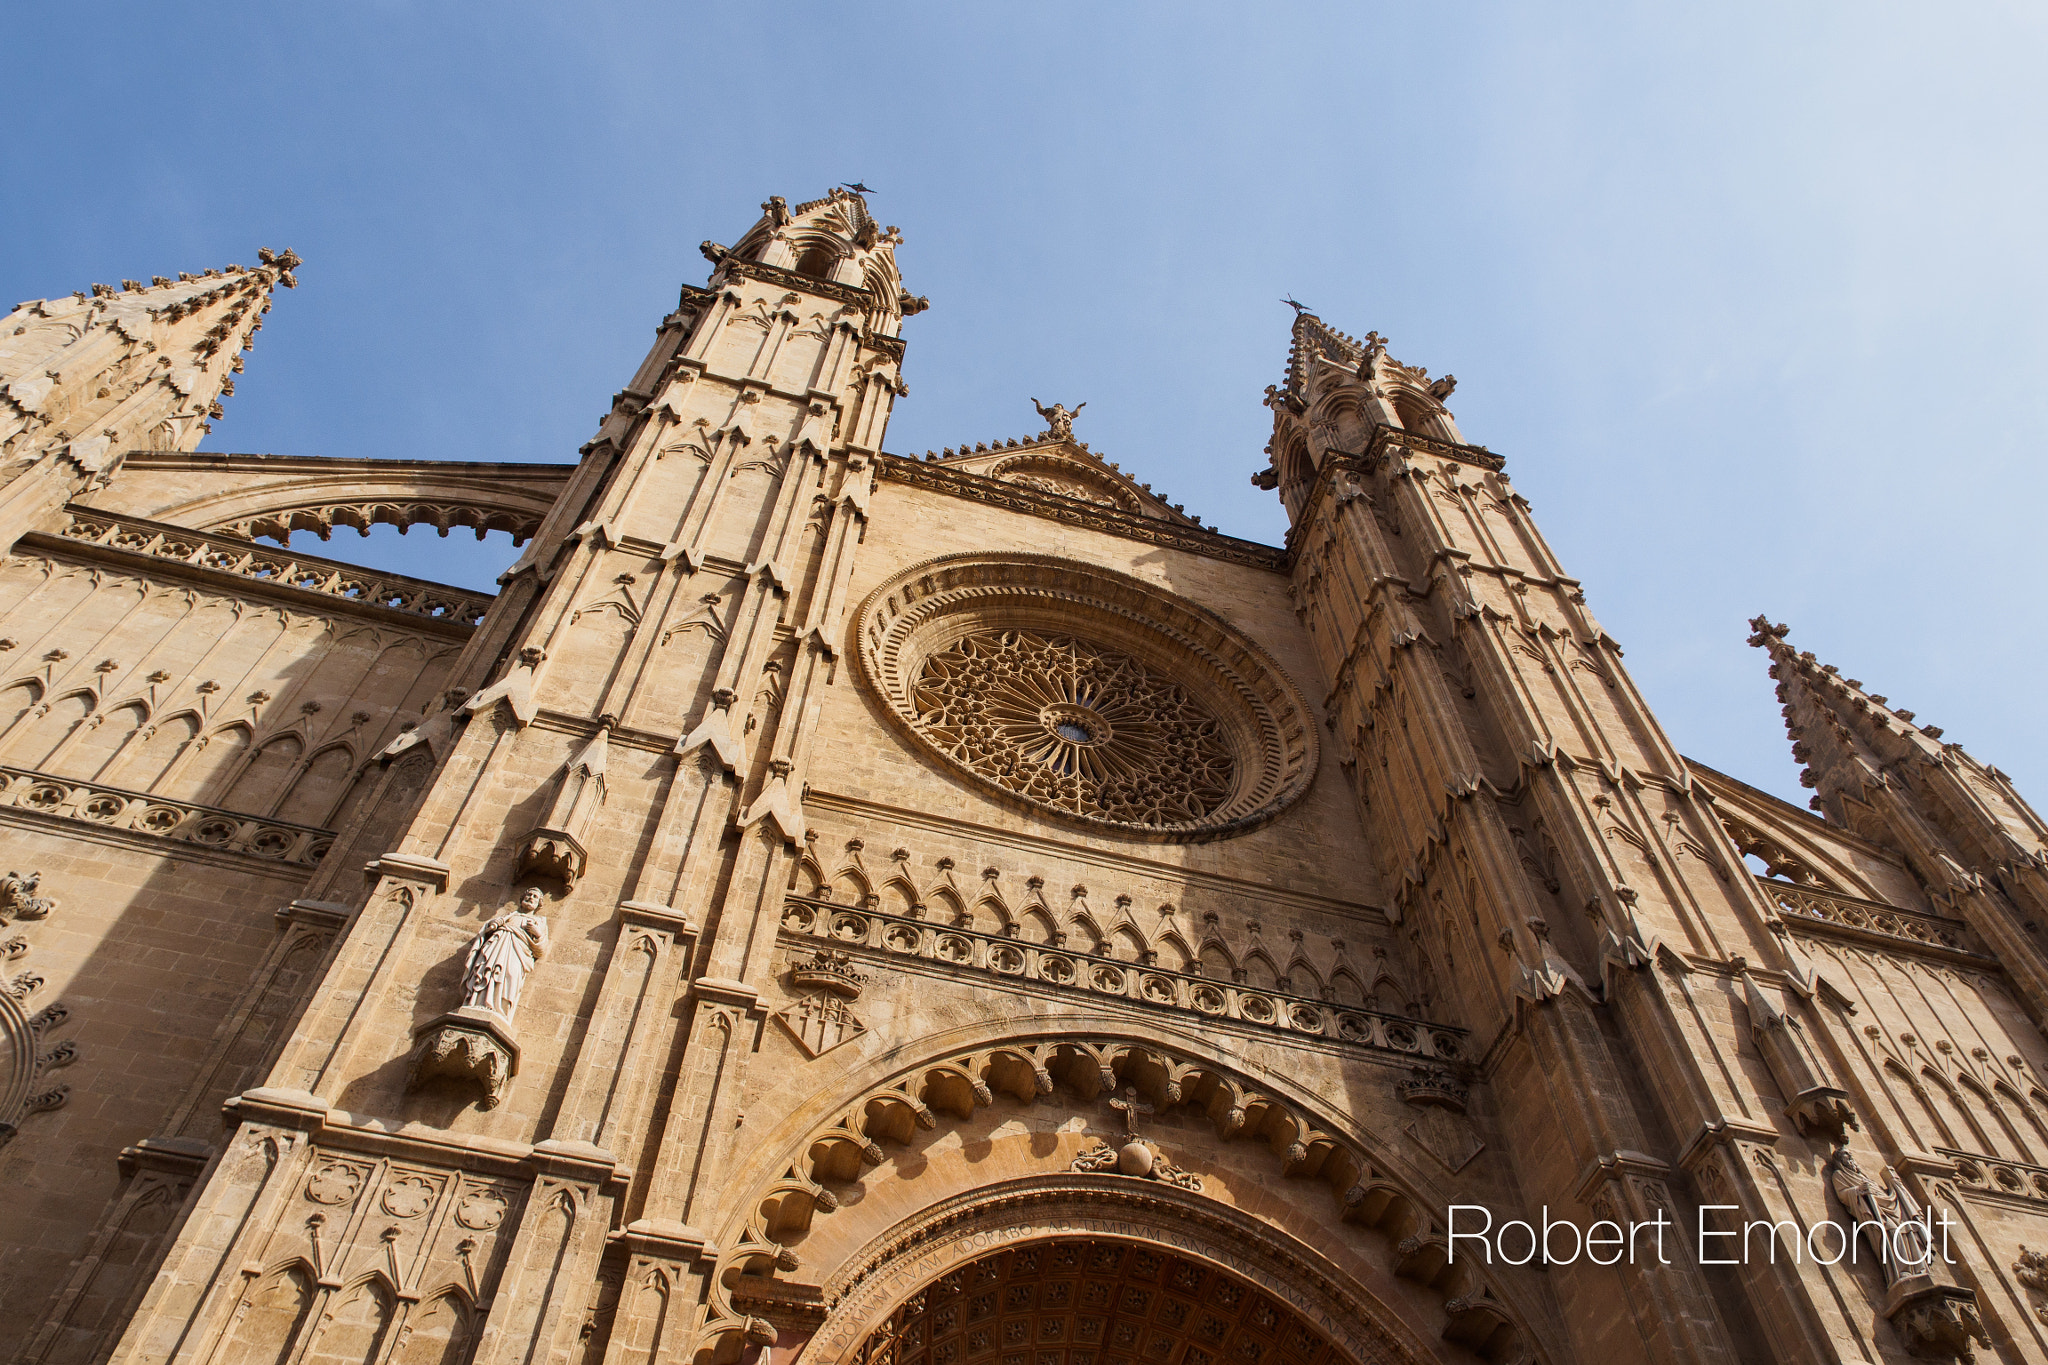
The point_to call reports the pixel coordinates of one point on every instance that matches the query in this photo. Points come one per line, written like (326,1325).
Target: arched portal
(1081,1300)
(1079,1269)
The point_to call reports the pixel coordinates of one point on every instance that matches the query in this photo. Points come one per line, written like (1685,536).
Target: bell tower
(1547,850)
(646,680)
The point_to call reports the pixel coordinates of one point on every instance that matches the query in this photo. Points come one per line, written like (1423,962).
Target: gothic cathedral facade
(839,906)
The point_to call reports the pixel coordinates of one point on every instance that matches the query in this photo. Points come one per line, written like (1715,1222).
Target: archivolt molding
(958,1232)
(1259,716)
(841,1146)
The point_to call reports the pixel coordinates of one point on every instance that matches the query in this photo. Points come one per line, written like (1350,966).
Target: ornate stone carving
(830,970)
(469,1045)
(1059,418)
(502,956)
(820,1022)
(276,570)
(1134,1156)
(555,847)
(1071,725)
(155,816)
(474,1043)
(1811,1102)
(1088,695)
(25,1060)
(2031,1270)
(18,898)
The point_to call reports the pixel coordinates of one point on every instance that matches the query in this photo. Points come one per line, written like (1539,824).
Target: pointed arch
(1083,930)
(352,1329)
(46,733)
(851,885)
(1218,961)
(1174,953)
(1259,970)
(2033,1150)
(272,1317)
(989,910)
(1954,1116)
(1345,990)
(944,903)
(315,793)
(145,762)
(439,1331)
(1995,1123)
(257,787)
(1035,925)
(1126,943)
(104,736)
(16,702)
(211,759)
(898,896)
(1303,979)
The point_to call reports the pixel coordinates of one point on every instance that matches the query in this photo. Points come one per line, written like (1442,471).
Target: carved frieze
(1009,964)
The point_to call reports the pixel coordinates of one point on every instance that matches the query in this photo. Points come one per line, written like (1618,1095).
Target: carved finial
(1764,631)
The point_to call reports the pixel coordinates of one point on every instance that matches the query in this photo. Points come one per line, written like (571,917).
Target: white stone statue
(1888,1218)
(501,957)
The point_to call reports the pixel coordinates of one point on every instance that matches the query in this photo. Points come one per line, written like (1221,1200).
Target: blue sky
(1751,297)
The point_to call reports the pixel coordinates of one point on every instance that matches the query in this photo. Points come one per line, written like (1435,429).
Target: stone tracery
(1088,695)
(1075,726)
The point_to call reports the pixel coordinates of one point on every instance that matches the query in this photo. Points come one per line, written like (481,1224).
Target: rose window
(1074,726)
(1087,696)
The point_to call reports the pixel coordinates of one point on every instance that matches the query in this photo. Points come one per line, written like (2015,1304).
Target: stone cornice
(739,268)
(1035,502)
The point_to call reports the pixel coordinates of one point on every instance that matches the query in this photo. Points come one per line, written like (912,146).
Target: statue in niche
(1886,1216)
(1059,418)
(502,954)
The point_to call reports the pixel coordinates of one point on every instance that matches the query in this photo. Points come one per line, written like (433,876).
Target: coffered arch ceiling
(270,496)
(1083,1300)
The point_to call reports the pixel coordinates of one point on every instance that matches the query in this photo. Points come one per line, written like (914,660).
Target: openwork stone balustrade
(1001,959)
(1997,1175)
(279,568)
(1810,906)
(181,821)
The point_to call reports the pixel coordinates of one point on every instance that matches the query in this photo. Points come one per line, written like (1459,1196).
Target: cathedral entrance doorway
(1097,1270)
(1086,1301)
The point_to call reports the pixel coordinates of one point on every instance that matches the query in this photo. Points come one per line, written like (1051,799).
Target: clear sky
(1751,297)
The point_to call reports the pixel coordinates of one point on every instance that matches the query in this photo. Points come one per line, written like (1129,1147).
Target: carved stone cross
(1130,1106)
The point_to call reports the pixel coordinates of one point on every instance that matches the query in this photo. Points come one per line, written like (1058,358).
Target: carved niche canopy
(1088,695)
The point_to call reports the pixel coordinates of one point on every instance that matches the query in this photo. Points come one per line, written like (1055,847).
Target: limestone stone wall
(126,676)
(175,976)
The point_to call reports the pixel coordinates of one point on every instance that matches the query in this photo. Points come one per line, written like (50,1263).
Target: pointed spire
(1845,737)
(85,378)
(143,366)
